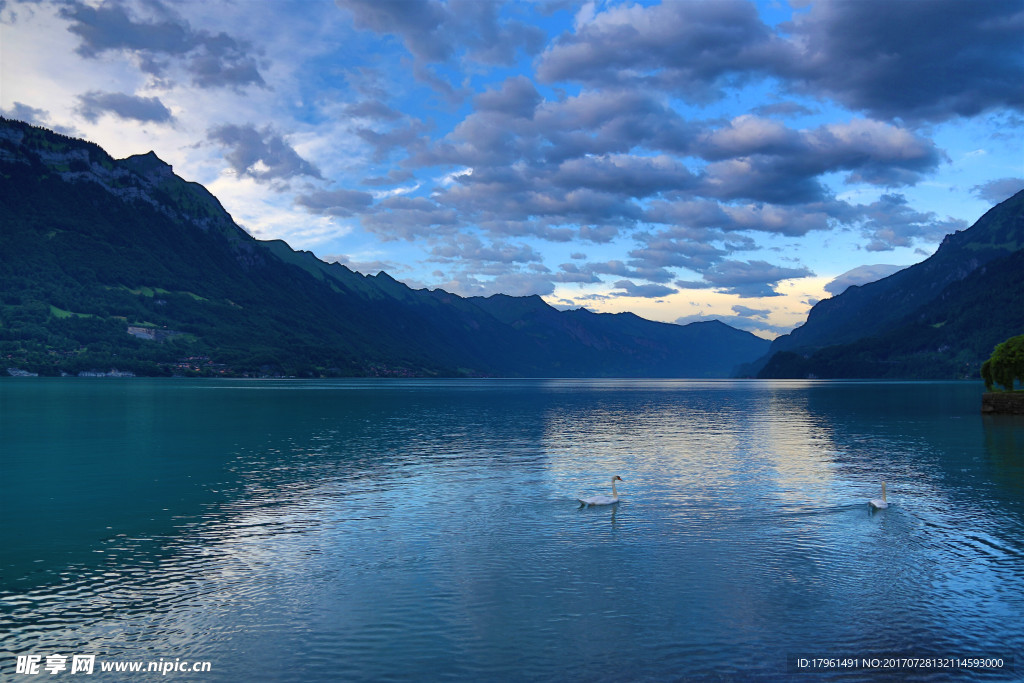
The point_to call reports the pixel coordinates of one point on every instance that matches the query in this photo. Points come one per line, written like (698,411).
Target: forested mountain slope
(938,318)
(110,263)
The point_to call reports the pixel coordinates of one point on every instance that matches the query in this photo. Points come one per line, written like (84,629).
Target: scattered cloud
(338,203)
(746,279)
(890,222)
(35,116)
(998,190)
(785,108)
(762,159)
(372,109)
(94,104)
(913,61)
(436,32)
(515,96)
(409,218)
(397,138)
(889,60)
(692,49)
(261,154)
(650,291)
(394,176)
(510,282)
(748,312)
(570,272)
(161,39)
(860,275)
(464,249)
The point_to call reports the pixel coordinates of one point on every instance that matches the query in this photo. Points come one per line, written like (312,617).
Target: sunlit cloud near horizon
(684,160)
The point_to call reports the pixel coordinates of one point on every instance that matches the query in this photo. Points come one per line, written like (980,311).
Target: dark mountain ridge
(865,310)
(121,263)
(939,318)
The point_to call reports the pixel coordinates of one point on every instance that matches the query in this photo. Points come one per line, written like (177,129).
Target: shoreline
(1002,403)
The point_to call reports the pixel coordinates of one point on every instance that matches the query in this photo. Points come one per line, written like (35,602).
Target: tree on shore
(1006,364)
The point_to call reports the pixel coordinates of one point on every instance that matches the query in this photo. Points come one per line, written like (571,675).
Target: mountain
(122,264)
(939,318)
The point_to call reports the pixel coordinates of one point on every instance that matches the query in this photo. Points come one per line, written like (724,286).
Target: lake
(376,530)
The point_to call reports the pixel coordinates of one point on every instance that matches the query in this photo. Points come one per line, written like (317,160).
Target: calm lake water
(429,530)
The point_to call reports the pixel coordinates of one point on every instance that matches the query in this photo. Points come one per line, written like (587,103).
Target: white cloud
(860,275)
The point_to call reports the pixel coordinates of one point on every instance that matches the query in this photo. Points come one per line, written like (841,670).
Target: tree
(1006,364)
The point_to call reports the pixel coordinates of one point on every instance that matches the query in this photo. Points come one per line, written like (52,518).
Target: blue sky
(683,160)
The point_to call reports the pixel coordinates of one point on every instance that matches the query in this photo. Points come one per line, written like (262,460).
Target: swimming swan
(879,503)
(603,500)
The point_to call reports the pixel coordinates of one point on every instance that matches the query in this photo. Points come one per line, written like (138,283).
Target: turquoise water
(428,530)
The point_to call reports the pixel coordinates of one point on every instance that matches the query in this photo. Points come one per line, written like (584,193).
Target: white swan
(603,500)
(879,503)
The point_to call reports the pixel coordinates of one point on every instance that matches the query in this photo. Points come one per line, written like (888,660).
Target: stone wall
(1003,402)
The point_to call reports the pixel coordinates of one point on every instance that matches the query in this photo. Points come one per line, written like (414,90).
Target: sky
(684,160)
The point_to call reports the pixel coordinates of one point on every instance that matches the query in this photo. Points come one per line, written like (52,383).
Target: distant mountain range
(940,318)
(122,264)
